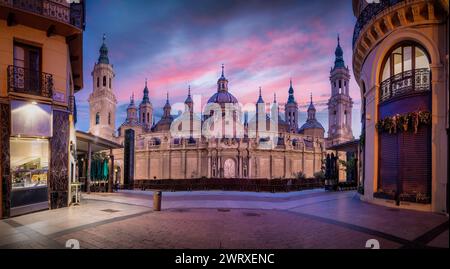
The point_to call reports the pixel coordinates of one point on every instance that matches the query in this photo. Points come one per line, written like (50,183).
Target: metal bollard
(157,200)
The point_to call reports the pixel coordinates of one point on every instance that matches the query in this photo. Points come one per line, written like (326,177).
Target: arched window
(404,93)
(109,118)
(97,118)
(143,117)
(98,82)
(345,117)
(110,83)
(148,117)
(104,81)
(405,69)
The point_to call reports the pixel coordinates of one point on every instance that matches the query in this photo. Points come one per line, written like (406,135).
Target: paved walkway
(215,219)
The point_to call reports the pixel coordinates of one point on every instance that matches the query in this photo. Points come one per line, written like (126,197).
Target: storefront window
(29,162)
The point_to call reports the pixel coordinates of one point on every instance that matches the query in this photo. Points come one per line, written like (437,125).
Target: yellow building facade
(40,70)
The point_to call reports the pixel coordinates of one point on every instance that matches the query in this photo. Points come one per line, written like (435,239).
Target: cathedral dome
(311,124)
(222,97)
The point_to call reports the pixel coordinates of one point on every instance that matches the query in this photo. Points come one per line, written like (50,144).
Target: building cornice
(408,13)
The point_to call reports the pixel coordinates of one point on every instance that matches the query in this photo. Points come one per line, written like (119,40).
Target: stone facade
(162,153)
(381,29)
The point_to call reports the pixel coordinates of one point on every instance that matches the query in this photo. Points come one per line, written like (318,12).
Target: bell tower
(146,110)
(340,103)
(102,101)
(291,111)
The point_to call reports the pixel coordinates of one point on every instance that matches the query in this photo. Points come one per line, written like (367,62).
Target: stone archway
(229,168)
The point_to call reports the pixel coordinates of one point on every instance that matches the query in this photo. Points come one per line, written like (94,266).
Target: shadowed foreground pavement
(215,219)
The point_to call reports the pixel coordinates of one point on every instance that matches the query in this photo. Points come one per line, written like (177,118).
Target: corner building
(41,69)
(400,61)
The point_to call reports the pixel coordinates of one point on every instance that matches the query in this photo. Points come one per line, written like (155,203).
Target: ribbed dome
(222,97)
(311,124)
(163,124)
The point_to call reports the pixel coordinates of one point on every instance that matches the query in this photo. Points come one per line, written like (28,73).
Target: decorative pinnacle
(223,67)
(338,40)
(311,97)
(274,97)
(189,90)
(145,82)
(104,37)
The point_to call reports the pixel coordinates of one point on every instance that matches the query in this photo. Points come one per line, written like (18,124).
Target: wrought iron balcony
(405,83)
(23,80)
(368,13)
(70,13)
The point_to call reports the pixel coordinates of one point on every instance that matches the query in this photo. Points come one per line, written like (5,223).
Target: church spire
(188,98)
(103,58)
(132,99)
(260,100)
(145,99)
(339,61)
(291,98)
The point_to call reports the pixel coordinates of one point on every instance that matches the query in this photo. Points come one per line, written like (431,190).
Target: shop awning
(97,143)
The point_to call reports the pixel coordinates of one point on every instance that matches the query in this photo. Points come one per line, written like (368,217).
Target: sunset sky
(179,43)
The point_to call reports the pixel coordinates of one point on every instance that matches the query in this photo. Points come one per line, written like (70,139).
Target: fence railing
(70,13)
(28,81)
(405,83)
(257,185)
(369,12)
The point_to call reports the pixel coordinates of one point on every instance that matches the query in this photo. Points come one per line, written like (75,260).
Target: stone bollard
(157,200)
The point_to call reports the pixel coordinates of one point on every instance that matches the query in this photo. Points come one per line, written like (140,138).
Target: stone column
(88,172)
(209,165)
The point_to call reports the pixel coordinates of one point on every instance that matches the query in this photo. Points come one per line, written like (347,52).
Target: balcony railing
(23,80)
(70,13)
(368,13)
(405,83)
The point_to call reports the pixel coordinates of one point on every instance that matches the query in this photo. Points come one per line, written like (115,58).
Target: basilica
(221,140)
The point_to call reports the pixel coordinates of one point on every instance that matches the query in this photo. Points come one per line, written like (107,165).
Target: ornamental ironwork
(28,81)
(368,13)
(405,83)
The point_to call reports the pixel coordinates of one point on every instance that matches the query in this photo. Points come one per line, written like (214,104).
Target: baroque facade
(400,61)
(220,141)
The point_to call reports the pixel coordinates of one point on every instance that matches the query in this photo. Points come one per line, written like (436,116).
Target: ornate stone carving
(58,184)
